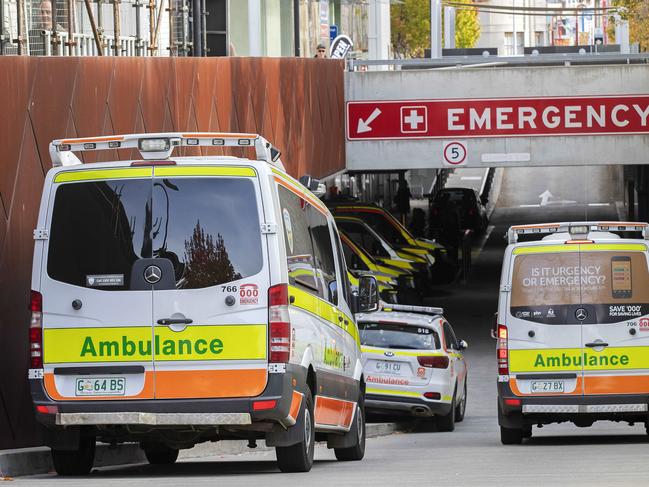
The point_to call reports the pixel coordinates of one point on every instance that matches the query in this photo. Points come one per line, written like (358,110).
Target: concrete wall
(515,82)
(295,103)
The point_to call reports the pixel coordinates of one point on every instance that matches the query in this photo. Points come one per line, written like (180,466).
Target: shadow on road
(586,440)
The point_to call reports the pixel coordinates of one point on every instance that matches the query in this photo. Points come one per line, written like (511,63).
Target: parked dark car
(462,204)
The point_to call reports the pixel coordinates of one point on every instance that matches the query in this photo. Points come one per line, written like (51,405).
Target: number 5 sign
(454,153)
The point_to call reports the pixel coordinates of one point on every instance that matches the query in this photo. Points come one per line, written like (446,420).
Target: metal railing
(90,27)
(85,45)
(476,62)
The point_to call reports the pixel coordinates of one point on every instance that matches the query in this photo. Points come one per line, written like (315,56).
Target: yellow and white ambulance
(177,300)
(573,326)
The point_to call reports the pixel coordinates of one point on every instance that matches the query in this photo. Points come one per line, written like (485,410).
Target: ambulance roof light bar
(428,310)
(576,229)
(161,145)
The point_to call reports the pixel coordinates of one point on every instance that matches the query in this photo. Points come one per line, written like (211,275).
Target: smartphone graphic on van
(621,277)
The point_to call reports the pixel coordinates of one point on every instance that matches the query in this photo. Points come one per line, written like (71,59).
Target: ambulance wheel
(299,457)
(356,452)
(157,454)
(511,436)
(461,407)
(75,462)
(447,422)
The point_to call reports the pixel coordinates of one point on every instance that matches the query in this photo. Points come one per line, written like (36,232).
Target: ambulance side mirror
(368,294)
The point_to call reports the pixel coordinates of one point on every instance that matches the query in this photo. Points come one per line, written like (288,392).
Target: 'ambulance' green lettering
(88,348)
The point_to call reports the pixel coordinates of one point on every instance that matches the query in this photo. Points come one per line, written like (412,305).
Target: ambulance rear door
(210,316)
(615,297)
(543,332)
(97,333)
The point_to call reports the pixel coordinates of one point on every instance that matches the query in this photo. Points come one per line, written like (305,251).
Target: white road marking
(599,204)
(545,197)
(530,206)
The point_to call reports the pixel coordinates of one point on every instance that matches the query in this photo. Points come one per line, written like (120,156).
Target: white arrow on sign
(364,125)
(545,196)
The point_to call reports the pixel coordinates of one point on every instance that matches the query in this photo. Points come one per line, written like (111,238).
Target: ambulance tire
(446,423)
(75,462)
(461,407)
(160,454)
(299,457)
(356,452)
(511,436)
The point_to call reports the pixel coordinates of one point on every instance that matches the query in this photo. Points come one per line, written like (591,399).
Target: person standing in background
(321,51)
(402,201)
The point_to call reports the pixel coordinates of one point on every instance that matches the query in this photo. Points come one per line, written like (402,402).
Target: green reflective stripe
(96,174)
(297,186)
(323,309)
(630,247)
(393,392)
(169,171)
(421,353)
(390,392)
(541,249)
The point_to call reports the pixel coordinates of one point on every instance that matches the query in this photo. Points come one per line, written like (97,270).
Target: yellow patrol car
(572,327)
(190,299)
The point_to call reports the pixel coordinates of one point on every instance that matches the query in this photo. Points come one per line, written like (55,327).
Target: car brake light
(432,395)
(47,409)
(434,362)
(36,330)
(263,405)
(502,352)
(513,402)
(279,324)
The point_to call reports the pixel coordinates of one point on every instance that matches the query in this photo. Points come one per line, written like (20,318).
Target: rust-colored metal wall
(297,104)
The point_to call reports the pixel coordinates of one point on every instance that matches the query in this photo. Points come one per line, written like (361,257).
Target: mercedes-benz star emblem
(388,354)
(581,314)
(152,274)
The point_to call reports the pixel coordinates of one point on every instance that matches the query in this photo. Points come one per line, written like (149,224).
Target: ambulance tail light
(279,323)
(502,351)
(435,362)
(36,330)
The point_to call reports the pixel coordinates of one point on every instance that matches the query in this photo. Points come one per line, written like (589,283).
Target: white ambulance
(177,300)
(573,326)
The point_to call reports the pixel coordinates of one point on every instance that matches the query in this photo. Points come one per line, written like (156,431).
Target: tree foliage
(411,27)
(467,26)
(207,260)
(637,13)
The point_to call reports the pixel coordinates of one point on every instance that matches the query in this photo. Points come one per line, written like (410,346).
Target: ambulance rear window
(398,335)
(208,228)
(548,287)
